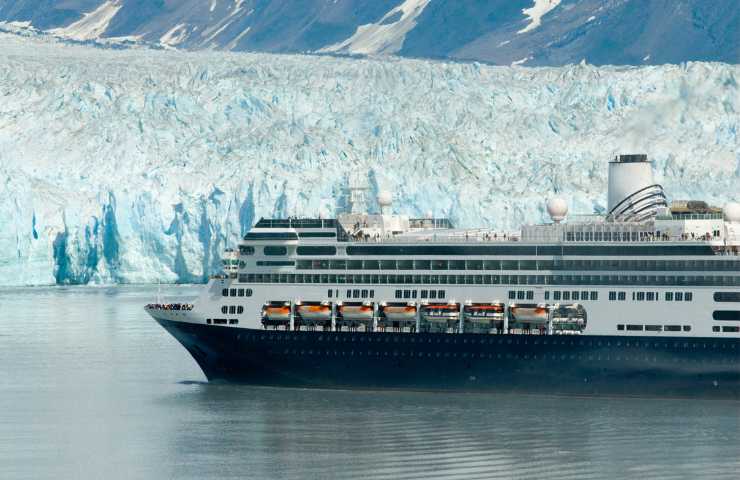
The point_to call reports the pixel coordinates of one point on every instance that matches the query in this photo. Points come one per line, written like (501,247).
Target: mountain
(504,32)
(137,165)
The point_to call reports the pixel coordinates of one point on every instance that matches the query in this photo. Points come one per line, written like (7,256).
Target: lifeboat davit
(441,312)
(357,313)
(321,312)
(400,312)
(277,313)
(529,313)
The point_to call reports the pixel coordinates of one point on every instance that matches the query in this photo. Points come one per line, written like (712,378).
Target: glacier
(135,165)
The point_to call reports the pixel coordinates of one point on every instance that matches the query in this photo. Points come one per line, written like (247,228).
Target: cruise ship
(641,301)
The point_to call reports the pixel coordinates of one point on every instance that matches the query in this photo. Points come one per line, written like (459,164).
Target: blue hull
(571,365)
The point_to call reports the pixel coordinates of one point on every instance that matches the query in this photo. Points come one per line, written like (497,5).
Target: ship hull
(569,365)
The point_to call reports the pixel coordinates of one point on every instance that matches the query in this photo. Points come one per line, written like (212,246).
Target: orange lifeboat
(400,312)
(529,313)
(357,313)
(320,312)
(277,313)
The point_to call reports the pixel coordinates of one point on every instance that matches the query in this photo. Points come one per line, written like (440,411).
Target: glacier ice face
(142,166)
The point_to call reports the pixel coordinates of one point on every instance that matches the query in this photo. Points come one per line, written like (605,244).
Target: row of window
(356,293)
(236,292)
(653,328)
(272,263)
(572,295)
(430,294)
(232,309)
(653,296)
(731,315)
(719,264)
(222,321)
(627,250)
(726,329)
(332,278)
(573,341)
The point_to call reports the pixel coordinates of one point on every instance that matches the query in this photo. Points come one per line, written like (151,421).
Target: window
(520,295)
(356,293)
(224,309)
(620,327)
(640,296)
(274,250)
(424,294)
(650,296)
(232,292)
(225,292)
(372,293)
(584,295)
(219,321)
(240,309)
(547,295)
(634,328)
(364,294)
(249,292)
(612,296)
(688,296)
(241,292)
(315,250)
(653,328)
(594,296)
(727,296)
(566,295)
(726,315)
(622,296)
(512,295)
(530,295)
(407,294)
(668,296)
(413,293)
(330,292)
(441,294)
(715,328)
(398,293)
(672,328)
(687,328)
(556,295)
(432,294)
(233,321)
(730,329)
(678,296)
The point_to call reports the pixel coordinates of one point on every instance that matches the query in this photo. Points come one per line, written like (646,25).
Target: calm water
(90,387)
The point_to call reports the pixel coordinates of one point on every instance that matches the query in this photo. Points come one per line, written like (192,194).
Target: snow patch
(536,12)
(591,19)
(386,36)
(214,3)
(520,62)
(175,36)
(235,42)
(92,25)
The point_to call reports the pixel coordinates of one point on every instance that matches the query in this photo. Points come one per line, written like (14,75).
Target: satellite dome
(385,198)
(732,212)
(557,208)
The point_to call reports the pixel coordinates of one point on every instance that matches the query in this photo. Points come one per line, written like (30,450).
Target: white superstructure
(647,268)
